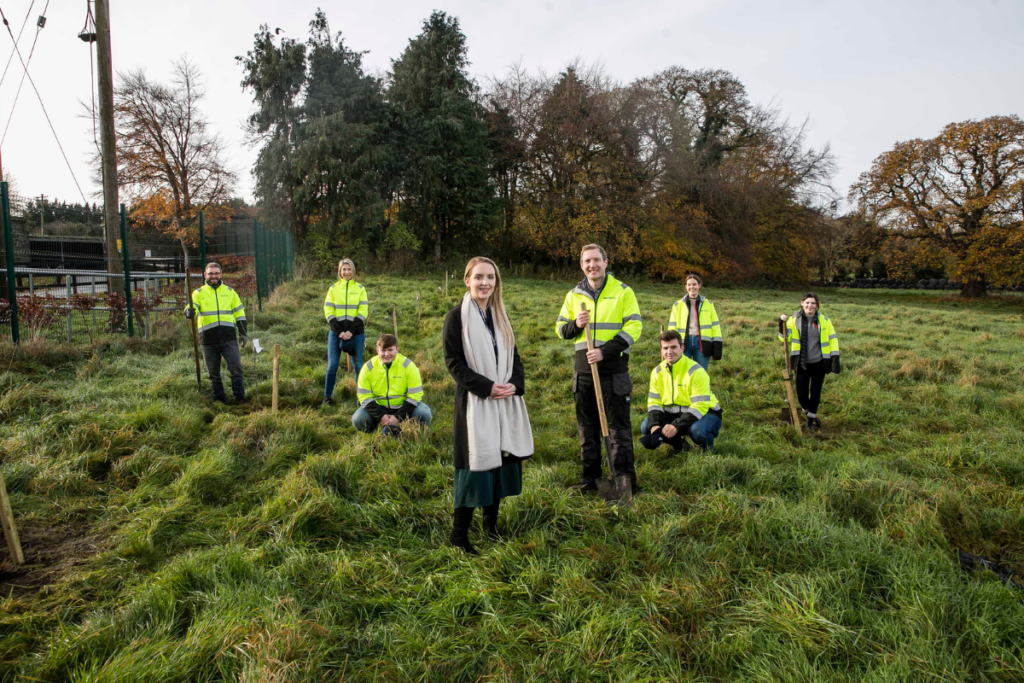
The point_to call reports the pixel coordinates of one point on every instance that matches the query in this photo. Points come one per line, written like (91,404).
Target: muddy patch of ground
(49,553)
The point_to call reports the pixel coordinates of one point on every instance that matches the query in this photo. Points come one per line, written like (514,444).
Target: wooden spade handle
(597,381)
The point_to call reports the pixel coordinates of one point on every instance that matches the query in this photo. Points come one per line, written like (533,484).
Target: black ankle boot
(491,521)
(459,537)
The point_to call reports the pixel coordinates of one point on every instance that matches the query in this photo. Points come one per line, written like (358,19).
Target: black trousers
(616,389)
(808,384)
(212,353)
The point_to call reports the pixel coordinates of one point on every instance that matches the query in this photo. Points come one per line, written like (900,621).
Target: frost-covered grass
(228,543)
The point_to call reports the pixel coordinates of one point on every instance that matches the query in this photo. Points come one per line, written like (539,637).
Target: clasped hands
(345,335)
(389,420)
(669,431)
(502,390)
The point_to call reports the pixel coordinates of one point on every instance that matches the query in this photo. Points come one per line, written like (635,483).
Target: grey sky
(868,74)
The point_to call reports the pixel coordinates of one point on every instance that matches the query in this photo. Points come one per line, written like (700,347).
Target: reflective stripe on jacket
(616,313)
(346,301)
(681,388)
(707,319)
(389,387)
(217,307)
(828,339)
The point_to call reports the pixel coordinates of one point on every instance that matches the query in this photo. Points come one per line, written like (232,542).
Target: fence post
(69,280)
(12,290)
(259,263)
(127,273)
(202,241)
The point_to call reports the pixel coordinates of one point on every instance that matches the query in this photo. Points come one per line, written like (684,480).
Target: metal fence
(57,284)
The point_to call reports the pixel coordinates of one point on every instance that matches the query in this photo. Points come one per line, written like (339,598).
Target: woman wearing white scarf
(492,434)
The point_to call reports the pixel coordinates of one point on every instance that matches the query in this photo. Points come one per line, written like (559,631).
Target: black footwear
(459,537)
(586,485)
(812,424)
(220,399)
(240,401)
(328,401)
(490,518)
(817,423)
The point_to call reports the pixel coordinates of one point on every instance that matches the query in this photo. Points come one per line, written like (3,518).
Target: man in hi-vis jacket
(613,315)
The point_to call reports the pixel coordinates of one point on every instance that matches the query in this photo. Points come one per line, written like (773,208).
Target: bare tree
(170,163)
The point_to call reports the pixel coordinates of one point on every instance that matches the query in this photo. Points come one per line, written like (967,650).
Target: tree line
(675,172)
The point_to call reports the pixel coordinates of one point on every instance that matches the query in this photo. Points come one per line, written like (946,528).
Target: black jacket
(468,381)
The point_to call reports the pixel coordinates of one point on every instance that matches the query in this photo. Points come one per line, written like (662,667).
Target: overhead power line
(41,104)
(39,27)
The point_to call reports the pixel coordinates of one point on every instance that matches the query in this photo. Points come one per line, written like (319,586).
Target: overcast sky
(867,74)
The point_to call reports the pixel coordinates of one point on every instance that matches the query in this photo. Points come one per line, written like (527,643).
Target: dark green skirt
(480,489)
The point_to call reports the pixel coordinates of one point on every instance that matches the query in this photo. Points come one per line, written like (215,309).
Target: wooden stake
(787,377)
(348,362)
(419,308)
(446,286)
(10,531)
(663,329)
(394,318)
(193,324)
(277,364)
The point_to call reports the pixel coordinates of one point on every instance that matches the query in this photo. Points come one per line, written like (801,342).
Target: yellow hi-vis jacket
(683,387)
(826,332)
(614,322)
(392,387)
(346,307)
(707,319)
(218,312)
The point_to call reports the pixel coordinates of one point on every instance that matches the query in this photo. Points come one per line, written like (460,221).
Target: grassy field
(170,539)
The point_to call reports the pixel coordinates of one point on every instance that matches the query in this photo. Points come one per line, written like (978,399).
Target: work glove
(835,365)
(242,341)
(782,327)
(190,312)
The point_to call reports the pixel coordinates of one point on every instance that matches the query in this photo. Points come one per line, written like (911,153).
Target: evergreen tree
(441,132)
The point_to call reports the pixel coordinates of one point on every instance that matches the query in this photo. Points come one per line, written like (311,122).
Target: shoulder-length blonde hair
(496,304)
(351,264)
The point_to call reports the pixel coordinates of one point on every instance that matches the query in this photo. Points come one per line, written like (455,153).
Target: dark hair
(590,247)
(810,295)
(671,335)
(693,276)
(386,341)
(213,264)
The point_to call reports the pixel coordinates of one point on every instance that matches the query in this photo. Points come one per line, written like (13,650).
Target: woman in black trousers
(814,353)
(492,434)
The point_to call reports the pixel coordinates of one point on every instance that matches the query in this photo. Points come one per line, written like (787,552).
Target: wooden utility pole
(42,210)
(108,142)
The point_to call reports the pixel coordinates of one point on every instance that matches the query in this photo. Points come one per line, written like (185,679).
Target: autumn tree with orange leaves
(959,196)
(170,164)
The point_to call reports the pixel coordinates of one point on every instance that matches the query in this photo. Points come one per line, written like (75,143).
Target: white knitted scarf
(494,425)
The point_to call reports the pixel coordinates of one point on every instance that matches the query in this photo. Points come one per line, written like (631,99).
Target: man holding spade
(609,309)
(221,323)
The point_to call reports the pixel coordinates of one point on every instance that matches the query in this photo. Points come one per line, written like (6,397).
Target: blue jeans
(691,349)
(362,421)
(335,345)
(703,432)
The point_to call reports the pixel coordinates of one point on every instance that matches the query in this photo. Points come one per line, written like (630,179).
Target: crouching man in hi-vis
(679,401)
(389,391)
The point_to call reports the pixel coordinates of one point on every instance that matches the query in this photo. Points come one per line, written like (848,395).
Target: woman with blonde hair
(491,427)
(345,308)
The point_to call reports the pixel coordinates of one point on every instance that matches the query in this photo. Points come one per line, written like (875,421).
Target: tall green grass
(236,544)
